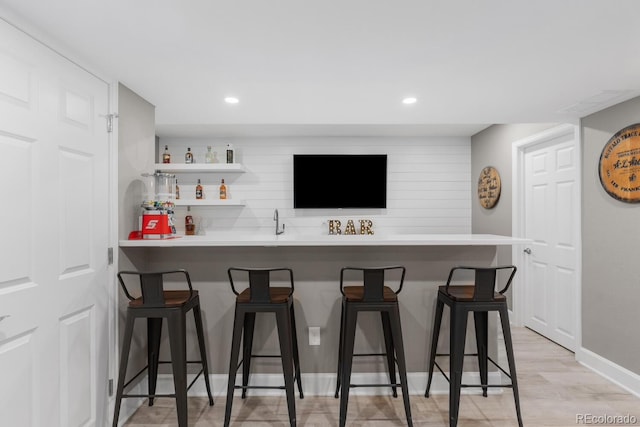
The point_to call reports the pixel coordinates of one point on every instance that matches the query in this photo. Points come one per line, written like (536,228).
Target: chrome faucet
(276,219)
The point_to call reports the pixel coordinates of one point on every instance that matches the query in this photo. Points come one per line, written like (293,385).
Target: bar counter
(237,239)
(316,262)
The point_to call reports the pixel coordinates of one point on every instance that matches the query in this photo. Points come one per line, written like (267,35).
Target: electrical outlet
(314,335)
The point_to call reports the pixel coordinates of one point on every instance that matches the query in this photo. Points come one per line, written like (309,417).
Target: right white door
(550,221)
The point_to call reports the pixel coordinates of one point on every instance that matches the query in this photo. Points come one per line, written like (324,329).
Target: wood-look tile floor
(554,391)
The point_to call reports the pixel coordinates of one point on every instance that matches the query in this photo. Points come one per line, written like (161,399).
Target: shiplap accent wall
(428,189)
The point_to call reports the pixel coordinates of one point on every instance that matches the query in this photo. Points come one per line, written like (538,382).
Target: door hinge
(109,256)
(110,118)
(110,386)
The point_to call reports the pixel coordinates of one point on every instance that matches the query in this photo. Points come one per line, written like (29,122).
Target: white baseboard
(623,377)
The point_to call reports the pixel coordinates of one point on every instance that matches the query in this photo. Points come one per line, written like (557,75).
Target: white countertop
(230,239)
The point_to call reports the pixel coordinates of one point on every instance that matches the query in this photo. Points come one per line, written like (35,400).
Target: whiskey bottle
(177,191)
(223,190)
(229,153)
(199,193)
(209,158)
(188,157)
(166,156)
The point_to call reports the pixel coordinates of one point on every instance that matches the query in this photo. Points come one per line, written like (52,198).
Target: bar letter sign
(620,165)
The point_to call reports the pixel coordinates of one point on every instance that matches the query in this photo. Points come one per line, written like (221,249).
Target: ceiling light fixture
(231,100)
(409,100)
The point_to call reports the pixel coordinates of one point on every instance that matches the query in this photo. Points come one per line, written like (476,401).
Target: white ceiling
(343,66)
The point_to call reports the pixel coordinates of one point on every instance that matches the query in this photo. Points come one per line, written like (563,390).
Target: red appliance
(157,215)
(157,225)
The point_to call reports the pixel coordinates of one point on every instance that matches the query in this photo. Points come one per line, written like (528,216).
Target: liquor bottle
(223,190)
(166,156)
(188,157)
(209,157)
(189,226)
(177,191)
(199,193)
(229,153)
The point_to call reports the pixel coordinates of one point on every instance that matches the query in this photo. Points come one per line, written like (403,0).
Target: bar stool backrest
(485,281)
(259,282)
(373,280)
(151,286)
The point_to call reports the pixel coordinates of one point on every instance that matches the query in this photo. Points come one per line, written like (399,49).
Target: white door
(551,216)
(53,274)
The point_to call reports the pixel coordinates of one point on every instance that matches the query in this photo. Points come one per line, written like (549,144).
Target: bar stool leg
(124,361)
(434,343)
(154,331)
(389,348)
(238,323)
(350,320)
(296,354)
(340,350)
(458,331)
(177,339)
(197,316)
(508,343)
(178,343)
(396,332)
(286,351)
(482,326)
(247,349)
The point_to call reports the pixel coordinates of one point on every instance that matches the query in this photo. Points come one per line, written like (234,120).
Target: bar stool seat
(372,296)
(156,304)
(261,297)
(479,298)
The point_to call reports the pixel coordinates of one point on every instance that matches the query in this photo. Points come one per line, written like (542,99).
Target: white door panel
(551,209)
(17,368)
(53,280)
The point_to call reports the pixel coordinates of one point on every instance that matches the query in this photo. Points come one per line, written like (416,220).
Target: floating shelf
(208,202)
(199,167)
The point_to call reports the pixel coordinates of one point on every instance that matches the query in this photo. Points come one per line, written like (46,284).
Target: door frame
(518,149)
(113,308)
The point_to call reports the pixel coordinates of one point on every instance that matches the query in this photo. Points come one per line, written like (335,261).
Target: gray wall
(492,147)
(136,141)
(136,151)
(610,235)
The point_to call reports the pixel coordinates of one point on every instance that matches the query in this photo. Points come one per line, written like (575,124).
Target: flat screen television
(323,181)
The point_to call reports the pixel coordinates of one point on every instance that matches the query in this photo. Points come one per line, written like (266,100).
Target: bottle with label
(189,226)
(199,192)
(177,191)
(188,157)
(209,157)
(223,190)
(166,156)
(229,153)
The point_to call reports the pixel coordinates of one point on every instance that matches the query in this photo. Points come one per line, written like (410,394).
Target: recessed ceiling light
(409,100)
(231,100)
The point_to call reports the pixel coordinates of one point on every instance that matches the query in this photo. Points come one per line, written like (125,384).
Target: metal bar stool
(372,295)
(261,297)
(479,298)
(156,304)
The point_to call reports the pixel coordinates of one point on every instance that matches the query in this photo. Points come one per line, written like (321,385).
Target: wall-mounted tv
(324,181)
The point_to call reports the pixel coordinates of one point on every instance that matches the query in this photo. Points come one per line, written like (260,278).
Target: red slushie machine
(157,213)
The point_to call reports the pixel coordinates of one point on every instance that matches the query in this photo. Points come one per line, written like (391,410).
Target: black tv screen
(339,181)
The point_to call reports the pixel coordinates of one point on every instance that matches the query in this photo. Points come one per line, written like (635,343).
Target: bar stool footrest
(375,385)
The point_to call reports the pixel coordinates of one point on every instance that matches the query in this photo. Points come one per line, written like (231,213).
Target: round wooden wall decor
(489,186)
(620,165)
